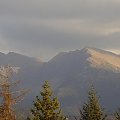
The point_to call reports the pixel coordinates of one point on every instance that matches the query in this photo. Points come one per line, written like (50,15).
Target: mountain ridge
(94,56)
(70,74)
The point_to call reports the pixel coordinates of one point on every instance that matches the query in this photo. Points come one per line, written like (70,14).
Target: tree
(46,107)
(92,109)
(117,115)
(8,96)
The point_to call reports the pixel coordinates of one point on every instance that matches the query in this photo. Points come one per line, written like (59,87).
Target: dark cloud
(42,28)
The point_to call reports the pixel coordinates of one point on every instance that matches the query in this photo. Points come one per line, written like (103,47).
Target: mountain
(28,74)
(91,56)
(71,74)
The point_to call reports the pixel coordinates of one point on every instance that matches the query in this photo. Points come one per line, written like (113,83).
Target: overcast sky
(42,28)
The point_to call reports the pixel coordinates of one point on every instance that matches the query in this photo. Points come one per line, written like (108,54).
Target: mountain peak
(18,59)
(102,59)
(91,49)
(94,57)
(15,54)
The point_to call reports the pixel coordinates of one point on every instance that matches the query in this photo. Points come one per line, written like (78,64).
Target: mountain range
(71,74)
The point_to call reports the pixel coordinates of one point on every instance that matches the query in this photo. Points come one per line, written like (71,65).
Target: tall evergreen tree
(117,115)
(46,107)
(92,109)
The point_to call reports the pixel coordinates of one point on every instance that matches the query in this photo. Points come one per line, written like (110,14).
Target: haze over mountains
(71,74)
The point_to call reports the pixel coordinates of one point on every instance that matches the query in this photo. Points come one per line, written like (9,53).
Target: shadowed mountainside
(71,74)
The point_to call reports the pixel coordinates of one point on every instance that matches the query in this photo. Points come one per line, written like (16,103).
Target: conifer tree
(92,109)
(117,115)
(46,107)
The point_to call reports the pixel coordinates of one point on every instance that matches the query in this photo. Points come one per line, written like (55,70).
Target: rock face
(71,74)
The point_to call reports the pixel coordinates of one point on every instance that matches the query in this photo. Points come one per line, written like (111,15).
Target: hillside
(71,74)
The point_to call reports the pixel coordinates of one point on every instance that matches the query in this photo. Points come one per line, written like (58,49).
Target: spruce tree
(46,107)
(92,109)
(117,115)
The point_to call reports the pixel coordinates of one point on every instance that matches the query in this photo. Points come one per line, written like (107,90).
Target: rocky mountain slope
(71,74)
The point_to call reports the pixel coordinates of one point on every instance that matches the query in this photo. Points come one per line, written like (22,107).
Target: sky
(43,28)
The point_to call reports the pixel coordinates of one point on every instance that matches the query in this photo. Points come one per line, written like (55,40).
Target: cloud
(60,8)
(42,28)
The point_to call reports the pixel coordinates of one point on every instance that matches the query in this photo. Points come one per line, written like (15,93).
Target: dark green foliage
(117,115)
(46,107)
(92,109)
